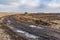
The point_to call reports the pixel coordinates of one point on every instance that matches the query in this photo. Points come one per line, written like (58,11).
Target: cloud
(12,5)
(30,5)
(53,4)
(18,4)
(27,3)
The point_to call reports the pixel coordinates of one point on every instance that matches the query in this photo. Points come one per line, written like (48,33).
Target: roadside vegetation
(46,20)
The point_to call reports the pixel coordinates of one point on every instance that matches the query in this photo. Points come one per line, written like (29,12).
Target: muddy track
(13,35)
(42,33)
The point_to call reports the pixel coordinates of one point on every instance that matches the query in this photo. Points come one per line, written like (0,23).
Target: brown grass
(46,20)
(6,13)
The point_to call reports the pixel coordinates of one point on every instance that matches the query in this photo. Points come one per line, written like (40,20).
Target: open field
(6,13)
(46,20)
(33,24)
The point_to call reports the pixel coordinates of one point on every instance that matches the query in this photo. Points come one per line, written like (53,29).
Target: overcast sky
(30,6)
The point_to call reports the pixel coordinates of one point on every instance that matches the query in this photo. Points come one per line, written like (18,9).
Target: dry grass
(46,20)
(6,14)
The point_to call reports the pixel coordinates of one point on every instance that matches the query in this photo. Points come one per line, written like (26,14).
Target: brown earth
(6,34)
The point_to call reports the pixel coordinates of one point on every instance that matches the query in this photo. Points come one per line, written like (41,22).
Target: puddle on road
(27,35)
(33,26)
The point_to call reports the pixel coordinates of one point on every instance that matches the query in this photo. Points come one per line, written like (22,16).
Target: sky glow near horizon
(45,6)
